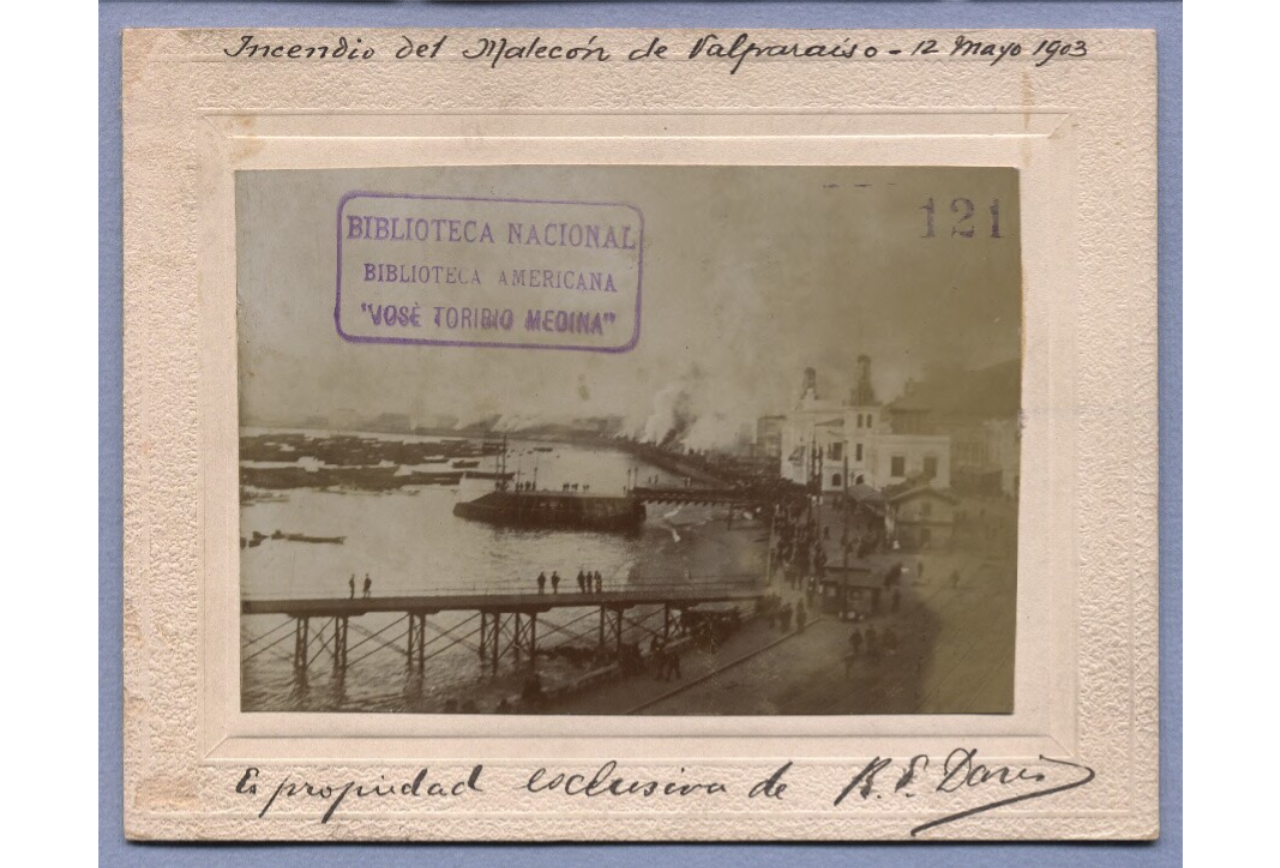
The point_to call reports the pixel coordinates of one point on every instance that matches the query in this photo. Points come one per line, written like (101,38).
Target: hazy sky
(751,274)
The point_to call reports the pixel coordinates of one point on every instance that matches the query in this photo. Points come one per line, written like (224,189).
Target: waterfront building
(979,411)
(922,517)
(834,444)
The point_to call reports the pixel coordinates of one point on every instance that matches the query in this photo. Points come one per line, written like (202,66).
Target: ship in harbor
(524,505)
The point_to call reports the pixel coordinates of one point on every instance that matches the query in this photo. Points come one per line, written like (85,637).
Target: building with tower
(836,443)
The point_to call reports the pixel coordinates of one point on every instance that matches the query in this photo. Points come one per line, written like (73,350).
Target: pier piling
(510,616)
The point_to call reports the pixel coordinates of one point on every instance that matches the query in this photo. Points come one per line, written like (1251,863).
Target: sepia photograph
(629,440)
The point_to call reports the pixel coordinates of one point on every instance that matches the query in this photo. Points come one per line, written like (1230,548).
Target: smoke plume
(690,413)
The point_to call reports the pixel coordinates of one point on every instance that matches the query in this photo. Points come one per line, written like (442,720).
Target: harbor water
(408,542)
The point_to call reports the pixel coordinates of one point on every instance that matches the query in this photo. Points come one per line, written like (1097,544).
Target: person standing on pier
(351,583)
(599,583)
(542,582)
(368,585)
(555,582)
(582,582)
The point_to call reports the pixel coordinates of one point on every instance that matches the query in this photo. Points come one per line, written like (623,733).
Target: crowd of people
(798,549)
(875,643)
(779,614)
(799,553)
(589,581)
(532,486)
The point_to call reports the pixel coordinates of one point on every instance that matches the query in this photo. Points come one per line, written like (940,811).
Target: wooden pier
(744,496)
(508,622)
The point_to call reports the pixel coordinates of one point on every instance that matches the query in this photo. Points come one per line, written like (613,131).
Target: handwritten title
(732,51)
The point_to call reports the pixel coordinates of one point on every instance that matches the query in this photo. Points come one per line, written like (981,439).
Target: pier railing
(508,620)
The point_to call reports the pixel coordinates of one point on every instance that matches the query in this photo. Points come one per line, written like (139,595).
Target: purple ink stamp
(473,272)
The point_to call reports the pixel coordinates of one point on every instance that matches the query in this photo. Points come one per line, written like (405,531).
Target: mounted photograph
(511,453)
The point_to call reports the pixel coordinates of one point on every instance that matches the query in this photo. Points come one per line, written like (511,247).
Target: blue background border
(1163,17)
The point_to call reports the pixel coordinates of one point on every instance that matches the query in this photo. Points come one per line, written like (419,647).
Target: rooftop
(921,491)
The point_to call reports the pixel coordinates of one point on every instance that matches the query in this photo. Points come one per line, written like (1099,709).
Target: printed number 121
(963,223)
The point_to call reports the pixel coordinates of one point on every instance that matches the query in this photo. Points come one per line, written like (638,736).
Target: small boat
(302,537)
(544,449)
(464,464)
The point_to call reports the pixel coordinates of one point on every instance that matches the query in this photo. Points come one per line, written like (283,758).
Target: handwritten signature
(960,771)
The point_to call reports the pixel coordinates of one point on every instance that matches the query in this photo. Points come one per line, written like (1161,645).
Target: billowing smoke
(717,430)
(672,414)
(690,413)
(510,423)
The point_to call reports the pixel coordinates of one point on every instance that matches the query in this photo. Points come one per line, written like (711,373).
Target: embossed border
(176,412)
